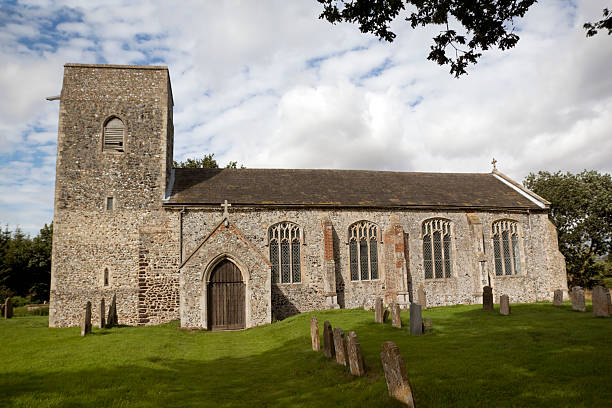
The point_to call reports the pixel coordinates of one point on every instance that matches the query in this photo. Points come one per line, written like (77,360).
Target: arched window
(114,135)
(505,235)
(284,239)
(437,253)
(363,251)
(106,277)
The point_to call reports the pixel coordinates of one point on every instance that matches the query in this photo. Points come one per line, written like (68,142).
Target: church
(224,249)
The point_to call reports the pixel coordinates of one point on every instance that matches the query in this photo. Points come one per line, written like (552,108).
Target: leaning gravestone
(8,308)
(112,313)
(504,305)
(601,302)
(355,357)
(487,298)
(378,310)
(395,315)
(328,341)
(340,347)
(427,325)
(578,299)
(314,334)
(416,319)
(422,297)
(558,298)
(102,313)
(395,373)
(86,323)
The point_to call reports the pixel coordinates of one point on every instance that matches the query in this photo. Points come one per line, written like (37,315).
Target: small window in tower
(105,276)
(114,135)
(109,203)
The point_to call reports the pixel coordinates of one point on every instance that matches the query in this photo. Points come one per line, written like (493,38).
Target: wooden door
(226,298)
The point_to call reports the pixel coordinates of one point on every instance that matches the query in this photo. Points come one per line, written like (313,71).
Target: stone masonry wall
(88,238)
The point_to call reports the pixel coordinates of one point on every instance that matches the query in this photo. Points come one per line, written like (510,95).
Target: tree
(486,24)
(604,23)
(206,162)
(581,209)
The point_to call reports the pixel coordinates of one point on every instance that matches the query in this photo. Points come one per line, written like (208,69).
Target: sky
(270,85)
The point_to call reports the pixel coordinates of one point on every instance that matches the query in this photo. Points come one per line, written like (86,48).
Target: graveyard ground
(538,356)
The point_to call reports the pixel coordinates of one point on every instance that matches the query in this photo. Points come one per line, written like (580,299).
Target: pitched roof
(348,188)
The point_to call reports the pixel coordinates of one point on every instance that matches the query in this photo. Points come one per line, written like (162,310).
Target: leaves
(487,24)
(206,162)
(604,23)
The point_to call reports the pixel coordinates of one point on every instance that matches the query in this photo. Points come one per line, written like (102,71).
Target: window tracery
(506,251)
(363,251)
(284,240)
(437,251)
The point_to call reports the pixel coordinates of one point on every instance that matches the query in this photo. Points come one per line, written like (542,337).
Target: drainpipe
(181,235)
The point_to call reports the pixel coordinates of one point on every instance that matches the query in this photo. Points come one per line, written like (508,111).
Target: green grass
(538,356)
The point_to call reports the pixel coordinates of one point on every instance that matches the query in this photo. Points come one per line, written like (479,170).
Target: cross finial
(226,206)
(494,162)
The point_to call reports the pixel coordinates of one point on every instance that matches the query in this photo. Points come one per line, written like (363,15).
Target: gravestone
(355,357)
(112,313)
(86,323)
(8,308)
(601,302)
(487,298)
(396,320)
(416,319)
(578,299)
(314,334)
(385,315)
(328,341)
(558,298)
(340,347)
(102,314)
(422,297)
(395,373)
(378,310)
(504,305)
(427,325)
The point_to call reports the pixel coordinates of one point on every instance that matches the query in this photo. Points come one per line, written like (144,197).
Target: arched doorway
(226,297)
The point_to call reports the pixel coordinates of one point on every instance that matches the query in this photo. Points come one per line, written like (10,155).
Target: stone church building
(237,248)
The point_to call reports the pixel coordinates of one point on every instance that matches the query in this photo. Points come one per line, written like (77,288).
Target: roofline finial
(494,162)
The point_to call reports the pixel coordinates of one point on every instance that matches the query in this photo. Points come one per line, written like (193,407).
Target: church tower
(114,165)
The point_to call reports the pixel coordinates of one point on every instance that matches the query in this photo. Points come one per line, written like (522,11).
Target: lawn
(538,356)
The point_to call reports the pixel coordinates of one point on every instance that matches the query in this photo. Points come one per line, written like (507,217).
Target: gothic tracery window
(363,251)
(437,251)
(113,135)
(284,240)
(505,235)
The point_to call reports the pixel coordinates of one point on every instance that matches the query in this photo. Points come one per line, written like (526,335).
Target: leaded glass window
(363,251)
(505,235)
(284,240)
(437,250)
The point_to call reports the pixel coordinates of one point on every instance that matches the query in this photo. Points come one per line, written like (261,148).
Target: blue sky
(268,84)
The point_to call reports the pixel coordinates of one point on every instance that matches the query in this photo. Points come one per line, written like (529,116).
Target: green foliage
(206,162)
(472,359)
(581,209)
(25,264)
(486,24)
(604,24)
(23,311)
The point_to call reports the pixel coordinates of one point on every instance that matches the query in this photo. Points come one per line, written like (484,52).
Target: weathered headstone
(396,319)
(86,323)
(558,298)
(102,314)
(340,347)
(328,341)
(422,297)
(314,333)
(578,299)
(395,373)
(416,319)
(427,325)
(504,305)
(487,298)
(378,310)
(8,308)
(112,313)
(354,354)
(601,302)
(385,315)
